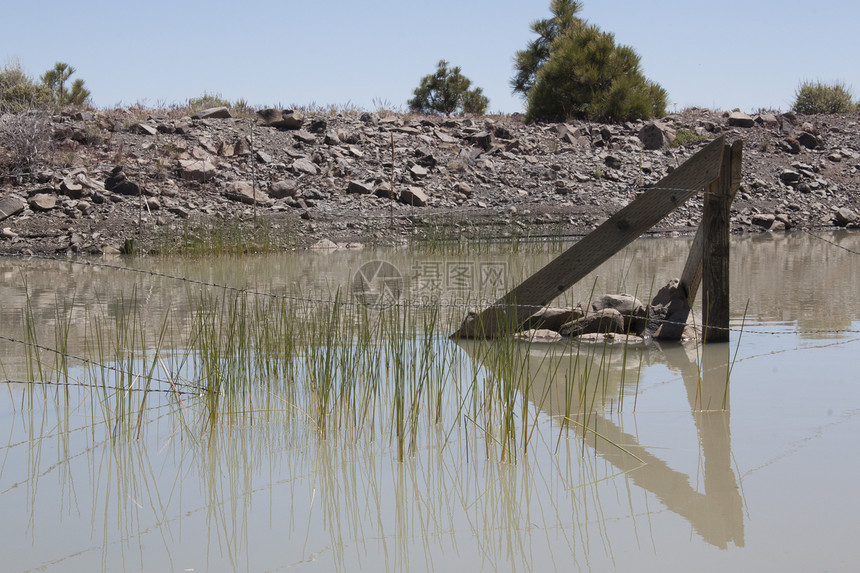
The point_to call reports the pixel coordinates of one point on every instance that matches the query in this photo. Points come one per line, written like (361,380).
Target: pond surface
(534,458)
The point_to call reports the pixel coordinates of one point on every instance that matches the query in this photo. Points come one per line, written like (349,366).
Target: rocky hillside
(105,180)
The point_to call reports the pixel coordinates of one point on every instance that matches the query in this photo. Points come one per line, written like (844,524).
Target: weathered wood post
(715,234)
(511,311)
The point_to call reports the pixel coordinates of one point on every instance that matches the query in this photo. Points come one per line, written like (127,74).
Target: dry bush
(24,138)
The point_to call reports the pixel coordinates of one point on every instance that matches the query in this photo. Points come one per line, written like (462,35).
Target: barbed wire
(93,363)
(437,304)
(828,241)
(431,304)
(63,383)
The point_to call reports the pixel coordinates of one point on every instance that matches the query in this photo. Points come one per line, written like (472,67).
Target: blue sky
(723,55)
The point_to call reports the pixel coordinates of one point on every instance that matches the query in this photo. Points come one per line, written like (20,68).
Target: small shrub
(447,91)
(812,98)
(23,97)
(25,136)
(686,137)
(242,108)
(18,91)
(207,101)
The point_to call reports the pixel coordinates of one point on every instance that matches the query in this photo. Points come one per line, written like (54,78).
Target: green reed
(343,370)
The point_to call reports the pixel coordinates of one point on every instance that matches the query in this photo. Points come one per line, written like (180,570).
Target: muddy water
(652,474)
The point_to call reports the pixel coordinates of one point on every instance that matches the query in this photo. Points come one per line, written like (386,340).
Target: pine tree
(527,62)
(55,80)
(574,70)
(447,91)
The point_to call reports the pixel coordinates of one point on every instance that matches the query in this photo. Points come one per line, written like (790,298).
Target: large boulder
(603,321)
(738,119)
(656,135)
(282,119)
(631,308)
(670,316)
(553,318)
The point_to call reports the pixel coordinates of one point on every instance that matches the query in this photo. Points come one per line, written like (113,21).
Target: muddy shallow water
(651,474)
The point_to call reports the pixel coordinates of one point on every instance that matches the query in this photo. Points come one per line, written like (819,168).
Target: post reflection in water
(593,400)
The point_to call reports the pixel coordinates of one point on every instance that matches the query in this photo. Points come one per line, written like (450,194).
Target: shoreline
(140,179)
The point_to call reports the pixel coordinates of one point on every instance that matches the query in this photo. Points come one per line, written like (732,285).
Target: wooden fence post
(511,311)
(715,250)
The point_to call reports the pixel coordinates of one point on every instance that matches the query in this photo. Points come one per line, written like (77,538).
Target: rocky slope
(111,179)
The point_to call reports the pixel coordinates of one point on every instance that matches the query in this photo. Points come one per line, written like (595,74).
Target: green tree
(527,62)
(447,91)
(55,80)
(574,70)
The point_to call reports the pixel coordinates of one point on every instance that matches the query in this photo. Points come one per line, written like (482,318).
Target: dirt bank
(98,182)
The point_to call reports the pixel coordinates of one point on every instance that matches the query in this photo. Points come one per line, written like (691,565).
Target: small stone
(220,112)
(283,189)
(414,196)
(418,172)
(845,217)
(146,129)
(444,137)
(763,220)
(305,136)
(540,336)
(324,244)
(484,140)
(179,212)
(70,188)
(789,176)
(244,192)
(43,201)
(359,188)
(195,170)
(808,141)
(305,166)
(385,191)
(612,162)
(464,188)
(10,206)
